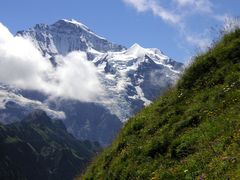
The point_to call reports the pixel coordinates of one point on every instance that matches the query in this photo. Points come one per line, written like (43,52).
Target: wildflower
(180,95)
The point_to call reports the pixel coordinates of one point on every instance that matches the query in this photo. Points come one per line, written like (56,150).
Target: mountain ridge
(40,148)
(131,78)
(65,36)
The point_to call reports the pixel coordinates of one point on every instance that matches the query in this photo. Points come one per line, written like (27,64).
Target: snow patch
(141,96)
(84,27)
(7,96)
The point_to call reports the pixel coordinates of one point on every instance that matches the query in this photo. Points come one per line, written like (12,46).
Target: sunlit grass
(191,132)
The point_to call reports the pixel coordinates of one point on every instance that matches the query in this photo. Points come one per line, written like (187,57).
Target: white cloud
(20,62)
(76,78)
(140,5)
(22,65)
(165,14)
(200,42)
(177,13)
(155,8)
(172,15)
(196,5)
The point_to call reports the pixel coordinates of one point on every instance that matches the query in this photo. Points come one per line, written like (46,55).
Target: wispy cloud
(178,12)
(163,13)
(140,5)
(154,7)
(201,42)
(22,65)
(195,5)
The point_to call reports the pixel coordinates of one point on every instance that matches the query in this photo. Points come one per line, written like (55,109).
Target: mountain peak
(65,36)
(136,50)
(136,46)
(38,116)
(73,22)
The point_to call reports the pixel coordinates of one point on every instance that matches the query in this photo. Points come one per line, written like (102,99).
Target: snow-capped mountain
(134,77)
(65,36)
(131,77)
(14,106)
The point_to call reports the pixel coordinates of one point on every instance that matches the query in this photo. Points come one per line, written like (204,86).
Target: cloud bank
(23,66)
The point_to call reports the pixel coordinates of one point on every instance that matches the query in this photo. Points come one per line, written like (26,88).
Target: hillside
(191,132)
(39,148)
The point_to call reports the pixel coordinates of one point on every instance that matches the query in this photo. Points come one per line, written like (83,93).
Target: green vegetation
(191,132)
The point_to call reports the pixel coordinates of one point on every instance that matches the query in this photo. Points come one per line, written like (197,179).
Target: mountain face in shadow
(40,148)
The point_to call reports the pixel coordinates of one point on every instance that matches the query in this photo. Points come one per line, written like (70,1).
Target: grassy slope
(190,132)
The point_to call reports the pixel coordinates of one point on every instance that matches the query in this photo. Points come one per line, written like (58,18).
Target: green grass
(10,140)
(192,131)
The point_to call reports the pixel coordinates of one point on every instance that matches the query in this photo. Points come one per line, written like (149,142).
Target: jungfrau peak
(131,78)
(65,36)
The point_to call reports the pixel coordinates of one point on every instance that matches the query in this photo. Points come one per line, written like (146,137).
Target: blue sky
(177,27)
